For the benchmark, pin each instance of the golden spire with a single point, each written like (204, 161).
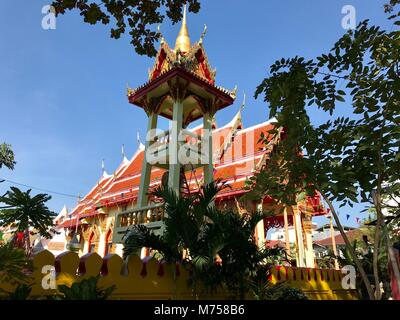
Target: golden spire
(183, 40)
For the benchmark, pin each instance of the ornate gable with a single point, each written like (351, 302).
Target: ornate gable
(163, 62)
(197, 55)
(195, 61)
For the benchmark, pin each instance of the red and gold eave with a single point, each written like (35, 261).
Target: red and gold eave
(191, 69)
(195, 84)
(121, 188)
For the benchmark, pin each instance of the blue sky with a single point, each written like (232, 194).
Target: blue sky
(63, 104)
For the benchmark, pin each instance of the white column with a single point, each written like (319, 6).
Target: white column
(146, 167)
(260, 228)
(103, 243)
(300, 254)
(174, 144)
(309, 250)
(119, 249)
(287, 240)
(143, 253)
(208, 149)
(333, 243)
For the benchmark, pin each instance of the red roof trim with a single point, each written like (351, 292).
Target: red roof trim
(177, 71)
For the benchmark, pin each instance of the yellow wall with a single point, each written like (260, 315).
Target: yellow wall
(317, 284)
(150, 279)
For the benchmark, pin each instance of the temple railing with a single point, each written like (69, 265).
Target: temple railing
(151, 216)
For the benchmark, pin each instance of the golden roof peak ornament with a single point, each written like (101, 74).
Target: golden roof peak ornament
(129, 90)
(233, 93)
(183, 41)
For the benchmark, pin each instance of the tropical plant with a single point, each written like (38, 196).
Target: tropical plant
(21, 292)
(14, 269)
(282, 291)
(22, 212)
(6, 156)
(243, 262)
(188, 230)
(218, 246)
(13, 264)
(136, 16)
(87, 289)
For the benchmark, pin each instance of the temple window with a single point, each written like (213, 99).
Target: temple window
(108, 243)
(91, 245)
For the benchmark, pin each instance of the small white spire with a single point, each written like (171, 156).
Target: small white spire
(103, 168)
(273, 120)
(160, 34)
(65, 210)
(243, 103)
(203, 34)
(63, 214)
(124, 159)
(238, 115)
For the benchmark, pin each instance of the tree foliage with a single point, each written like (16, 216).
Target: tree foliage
(346, 159)
(6, 156)
(136, 17)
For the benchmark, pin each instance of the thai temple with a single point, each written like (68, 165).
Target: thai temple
(182, 87)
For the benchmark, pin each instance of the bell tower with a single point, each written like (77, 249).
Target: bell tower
(181, 88)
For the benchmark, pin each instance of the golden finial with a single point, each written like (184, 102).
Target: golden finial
(233, 93)
(183, 41)
(128, 89)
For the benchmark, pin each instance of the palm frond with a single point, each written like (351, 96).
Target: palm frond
(26, 211)
(139, 237)
(13, 263)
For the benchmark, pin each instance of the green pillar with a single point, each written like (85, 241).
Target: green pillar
(174, 145)
(208, 149)
(146, 167)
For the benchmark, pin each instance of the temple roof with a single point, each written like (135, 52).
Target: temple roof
(237, 153)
